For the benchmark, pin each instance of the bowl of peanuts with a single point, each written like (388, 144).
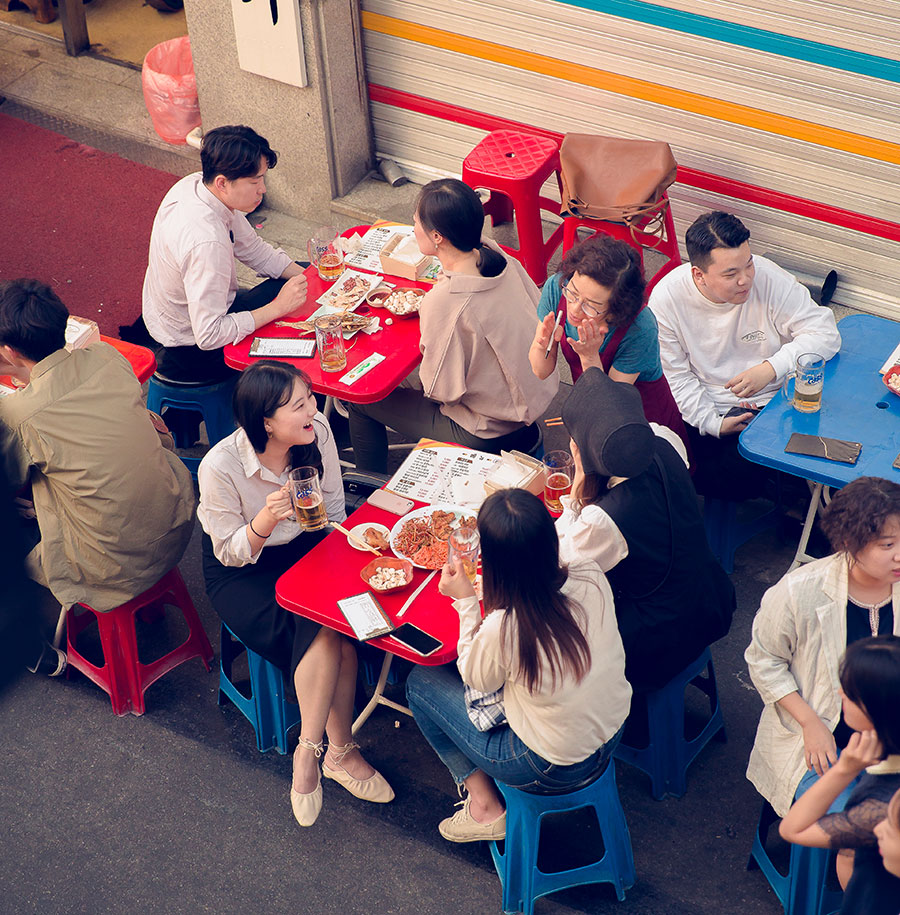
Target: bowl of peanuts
(892, 379)
(404, 302)
(387, 574)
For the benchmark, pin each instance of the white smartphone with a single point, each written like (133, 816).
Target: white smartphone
(416, 639)
(390, 502)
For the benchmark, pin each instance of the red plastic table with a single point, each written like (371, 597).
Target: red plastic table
(142, 359)
(399, 343)
(330, 571)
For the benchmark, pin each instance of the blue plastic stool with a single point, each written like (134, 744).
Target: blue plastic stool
(517, 866)
(266, 708)
(725, 534)
(668, 754)
(211, 401)
(802, 890)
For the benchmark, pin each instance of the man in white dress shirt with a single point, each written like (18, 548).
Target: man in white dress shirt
(191, 302)
(731, 326)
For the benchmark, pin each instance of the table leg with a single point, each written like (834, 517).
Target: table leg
(378, 696)
(821, 496)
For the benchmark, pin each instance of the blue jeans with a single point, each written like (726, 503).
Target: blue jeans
(435, 697)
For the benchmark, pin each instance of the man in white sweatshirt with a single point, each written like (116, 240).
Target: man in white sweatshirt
(731, 326)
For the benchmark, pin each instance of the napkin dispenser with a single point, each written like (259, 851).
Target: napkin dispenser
(401, 257)
(81, 332)
(516, 470)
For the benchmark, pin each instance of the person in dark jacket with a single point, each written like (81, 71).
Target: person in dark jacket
(633, 509)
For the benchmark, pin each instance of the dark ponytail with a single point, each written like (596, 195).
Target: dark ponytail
(453, 209)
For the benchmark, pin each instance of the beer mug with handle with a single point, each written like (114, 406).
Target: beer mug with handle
(809, 379)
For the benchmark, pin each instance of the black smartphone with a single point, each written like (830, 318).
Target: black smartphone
(416, 639)
(740, 411)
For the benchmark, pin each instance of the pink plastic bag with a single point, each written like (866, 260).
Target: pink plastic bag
(170, 89)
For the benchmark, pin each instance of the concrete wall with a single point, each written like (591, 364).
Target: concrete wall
(322, 132)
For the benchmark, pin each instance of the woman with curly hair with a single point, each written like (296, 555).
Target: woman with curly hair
(804, 626)
(600, 292)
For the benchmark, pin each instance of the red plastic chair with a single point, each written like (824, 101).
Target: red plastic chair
(513, 166)
(667, 245)
(122, 675)
(142, 359)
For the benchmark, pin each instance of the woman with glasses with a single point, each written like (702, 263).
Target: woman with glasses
(600, 292)
(474, 387)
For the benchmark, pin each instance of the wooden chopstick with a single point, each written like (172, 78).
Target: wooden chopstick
(354, 538)
(553, 422)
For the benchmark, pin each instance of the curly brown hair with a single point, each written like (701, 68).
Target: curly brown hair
(858, 513)
(613, 264)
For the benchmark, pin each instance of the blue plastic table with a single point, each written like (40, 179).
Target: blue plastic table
(856, 406)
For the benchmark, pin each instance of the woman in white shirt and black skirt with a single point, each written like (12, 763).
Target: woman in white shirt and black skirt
(251, 538)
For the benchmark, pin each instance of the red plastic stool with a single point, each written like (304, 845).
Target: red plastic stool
(513, 167)
(122, 675)
(667, 245)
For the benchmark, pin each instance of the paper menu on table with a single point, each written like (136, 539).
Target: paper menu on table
(438, 472)
(892, 360)
(365, 615)
(368, 255)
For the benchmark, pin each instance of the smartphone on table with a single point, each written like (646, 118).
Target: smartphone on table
(416, 639)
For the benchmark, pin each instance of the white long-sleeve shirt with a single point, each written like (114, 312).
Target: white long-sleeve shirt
(234, 486)
(704, 344)
(567, 723)
(191, 278)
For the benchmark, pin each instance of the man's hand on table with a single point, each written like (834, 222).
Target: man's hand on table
(454, 582)
(292, 297)
(751, 381)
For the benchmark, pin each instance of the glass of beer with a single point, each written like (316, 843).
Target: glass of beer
(463, 544)
(809, 379)
(326, 254)
(559, 469)
(330, 343)
(306, 497)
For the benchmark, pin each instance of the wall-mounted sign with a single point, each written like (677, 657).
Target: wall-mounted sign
(269, 39)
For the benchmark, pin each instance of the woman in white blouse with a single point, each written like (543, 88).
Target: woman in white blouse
(549, 641)
(251, 538)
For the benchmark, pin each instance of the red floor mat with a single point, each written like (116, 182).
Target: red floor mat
(77, 219)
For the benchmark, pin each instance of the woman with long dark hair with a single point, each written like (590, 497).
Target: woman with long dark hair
(476, 388)
(250, 538)
(600, 291)
(870, 694)
(549, 642)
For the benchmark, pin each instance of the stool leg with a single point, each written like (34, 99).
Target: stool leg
(117, 636)
(500, 208)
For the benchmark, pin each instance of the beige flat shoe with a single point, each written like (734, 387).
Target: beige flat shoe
(307, 807)
(374, 789)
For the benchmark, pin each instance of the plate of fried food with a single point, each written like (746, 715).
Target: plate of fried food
(348, 290)
(421, 536)
(350, 324)
(376, 535)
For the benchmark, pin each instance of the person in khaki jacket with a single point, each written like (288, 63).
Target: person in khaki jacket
(114, 509)
(802, 630)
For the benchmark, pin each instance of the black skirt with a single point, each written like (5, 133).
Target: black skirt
(244, 598)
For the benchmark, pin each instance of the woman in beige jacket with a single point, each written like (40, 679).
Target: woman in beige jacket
(803, 627)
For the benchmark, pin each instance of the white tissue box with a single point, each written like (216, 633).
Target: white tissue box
(81, 332)
(401, 257)
(516, 471)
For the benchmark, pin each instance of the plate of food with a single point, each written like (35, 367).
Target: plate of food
(421, 536)
(348, 290)
(376, 535)
(892, 379)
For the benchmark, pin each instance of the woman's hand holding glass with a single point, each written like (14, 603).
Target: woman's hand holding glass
(278, 504)
(454, 582)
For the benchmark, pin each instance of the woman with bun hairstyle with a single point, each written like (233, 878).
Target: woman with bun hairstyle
(476, 387)
(870, 696)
